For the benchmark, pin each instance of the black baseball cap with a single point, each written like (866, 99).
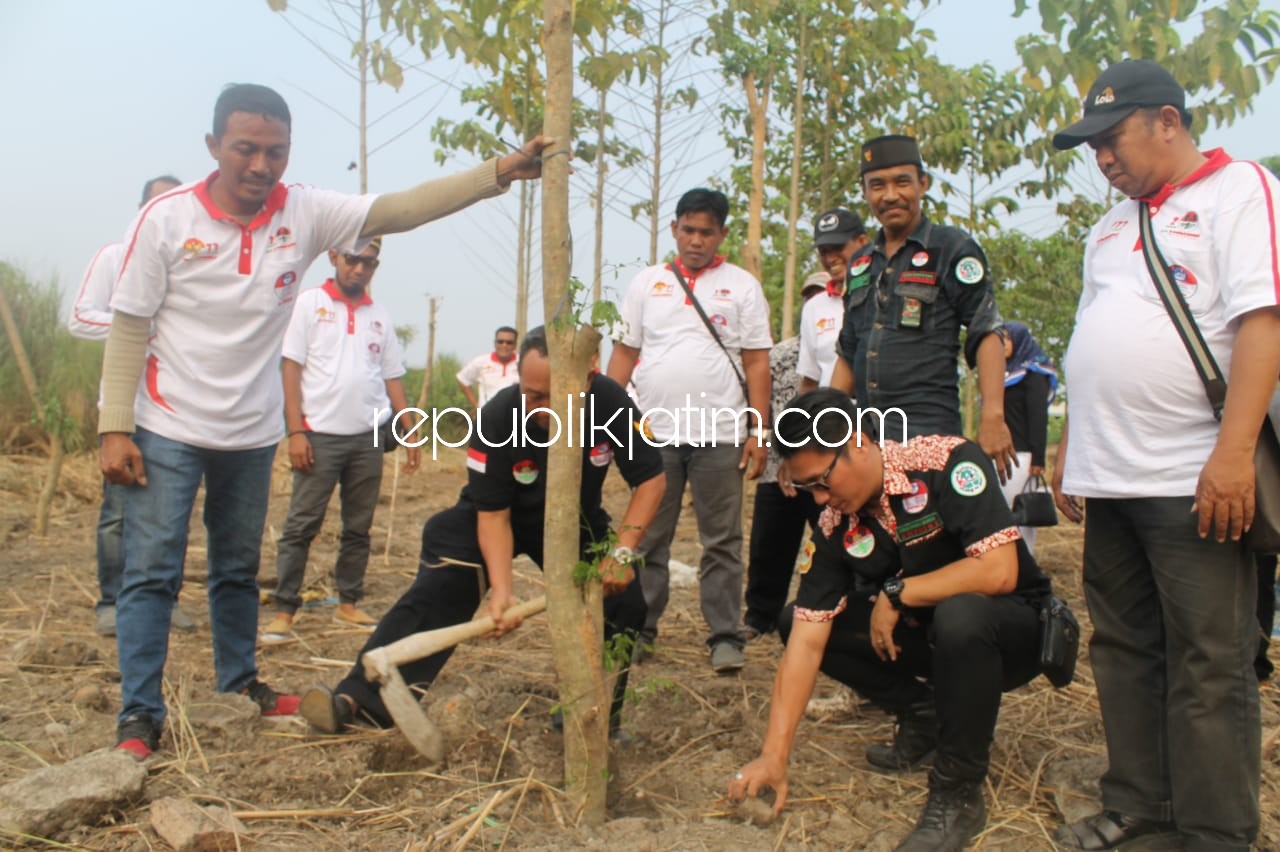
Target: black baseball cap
(836, 227)
(1117, 93)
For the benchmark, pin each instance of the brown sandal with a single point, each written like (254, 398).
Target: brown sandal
(1114, 830)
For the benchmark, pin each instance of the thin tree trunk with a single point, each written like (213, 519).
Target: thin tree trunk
(655, 188)
(828, 130)
(575, 612)
(598, 271)
(793, 209)
(522, 271)
(364, 97)
(758, 107)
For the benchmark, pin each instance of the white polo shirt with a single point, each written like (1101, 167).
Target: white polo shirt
(489, 374)
(1141, 425)
(680, 363)
(820, 321)
(90, 316)
(348, 351)
(220, 295)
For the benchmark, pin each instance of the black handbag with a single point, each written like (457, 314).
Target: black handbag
(1059, 641)
(387, 437)
(1033, 506)
(1264, 535)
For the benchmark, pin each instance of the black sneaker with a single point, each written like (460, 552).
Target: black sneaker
(272, 703)
(953, 814)
(138, 735)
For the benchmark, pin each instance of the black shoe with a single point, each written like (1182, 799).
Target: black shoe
(1114, 830)
(953, 814)
(327, 711)
(914, 742)
(139, 735)
(270, 702)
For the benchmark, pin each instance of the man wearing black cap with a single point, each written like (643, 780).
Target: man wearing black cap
(908, 294)
(837, 236)
(1171, 593)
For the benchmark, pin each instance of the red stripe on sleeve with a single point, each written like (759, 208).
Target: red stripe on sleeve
(1271, 218)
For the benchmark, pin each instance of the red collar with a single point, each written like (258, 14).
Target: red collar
(834, 289)
(493, 356)
(1214, 160)
(337, 295)
(275, 203)
(693, 276)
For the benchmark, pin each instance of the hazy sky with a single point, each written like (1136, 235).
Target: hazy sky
(102, 96)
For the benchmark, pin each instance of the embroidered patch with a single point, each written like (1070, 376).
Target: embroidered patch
(476, 460)
(920, 529)
(285, 287)
(1185, 279)
(860, 265)
(601, 455)
(662, 288)
(525, 472)
(918, 276)
(920, 258)
(969, 270)
(806, 559)
(915, 502)
(968, 480)
(859, 542)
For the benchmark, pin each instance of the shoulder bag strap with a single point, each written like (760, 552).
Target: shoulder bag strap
(733, 362)
(1215, 386)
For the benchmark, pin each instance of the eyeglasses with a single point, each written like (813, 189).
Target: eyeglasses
(501, 342)
(369, 263)
(821, 481)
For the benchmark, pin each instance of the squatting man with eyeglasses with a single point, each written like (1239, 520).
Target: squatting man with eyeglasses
(918, 593)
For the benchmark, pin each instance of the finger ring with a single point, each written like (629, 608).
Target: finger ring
(738, 776)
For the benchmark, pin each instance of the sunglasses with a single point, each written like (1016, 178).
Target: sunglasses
(821, 481)
(501, 342)
(359, 259)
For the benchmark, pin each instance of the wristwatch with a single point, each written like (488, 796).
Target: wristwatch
(892, 589)
(763, 434)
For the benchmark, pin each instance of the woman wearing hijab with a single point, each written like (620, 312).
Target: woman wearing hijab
(1030, 382)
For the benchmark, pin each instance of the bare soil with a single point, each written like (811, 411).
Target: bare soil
(499, 785)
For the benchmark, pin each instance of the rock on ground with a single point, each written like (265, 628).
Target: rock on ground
(78, 792)
(40, 653)
(188, 827)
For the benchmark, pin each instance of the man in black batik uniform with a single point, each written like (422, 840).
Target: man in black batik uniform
(919, 593)
(499, 515)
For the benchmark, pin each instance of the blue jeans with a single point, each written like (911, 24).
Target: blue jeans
(110, 544)
(156, 520)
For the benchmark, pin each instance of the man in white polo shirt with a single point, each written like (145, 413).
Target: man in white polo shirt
(342, 380)
(690, 388)
(210, 274)
(837, 236)
(491, 372)
(90, 319)
(1168, 579)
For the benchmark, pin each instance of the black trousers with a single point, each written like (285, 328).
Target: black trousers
(777, 529)
(1266, 612)
(973, 649)
(444, 594)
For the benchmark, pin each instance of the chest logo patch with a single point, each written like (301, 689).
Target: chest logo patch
(806, 559)
(601, 455)
(920, 258)
(525, 472)
(281, 239)
(1185, 279)
(662, 288)
(859, 542)
(718, 319)
(860, 266)
(323, 314)
(968, 480)
(826, 324)
(915, 502)
(284, 288)
(969, 270)
(722, 294)
(196, 249)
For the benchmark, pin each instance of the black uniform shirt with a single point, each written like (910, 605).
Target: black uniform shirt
(901, 332)
(502, 476)
(941, 503)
